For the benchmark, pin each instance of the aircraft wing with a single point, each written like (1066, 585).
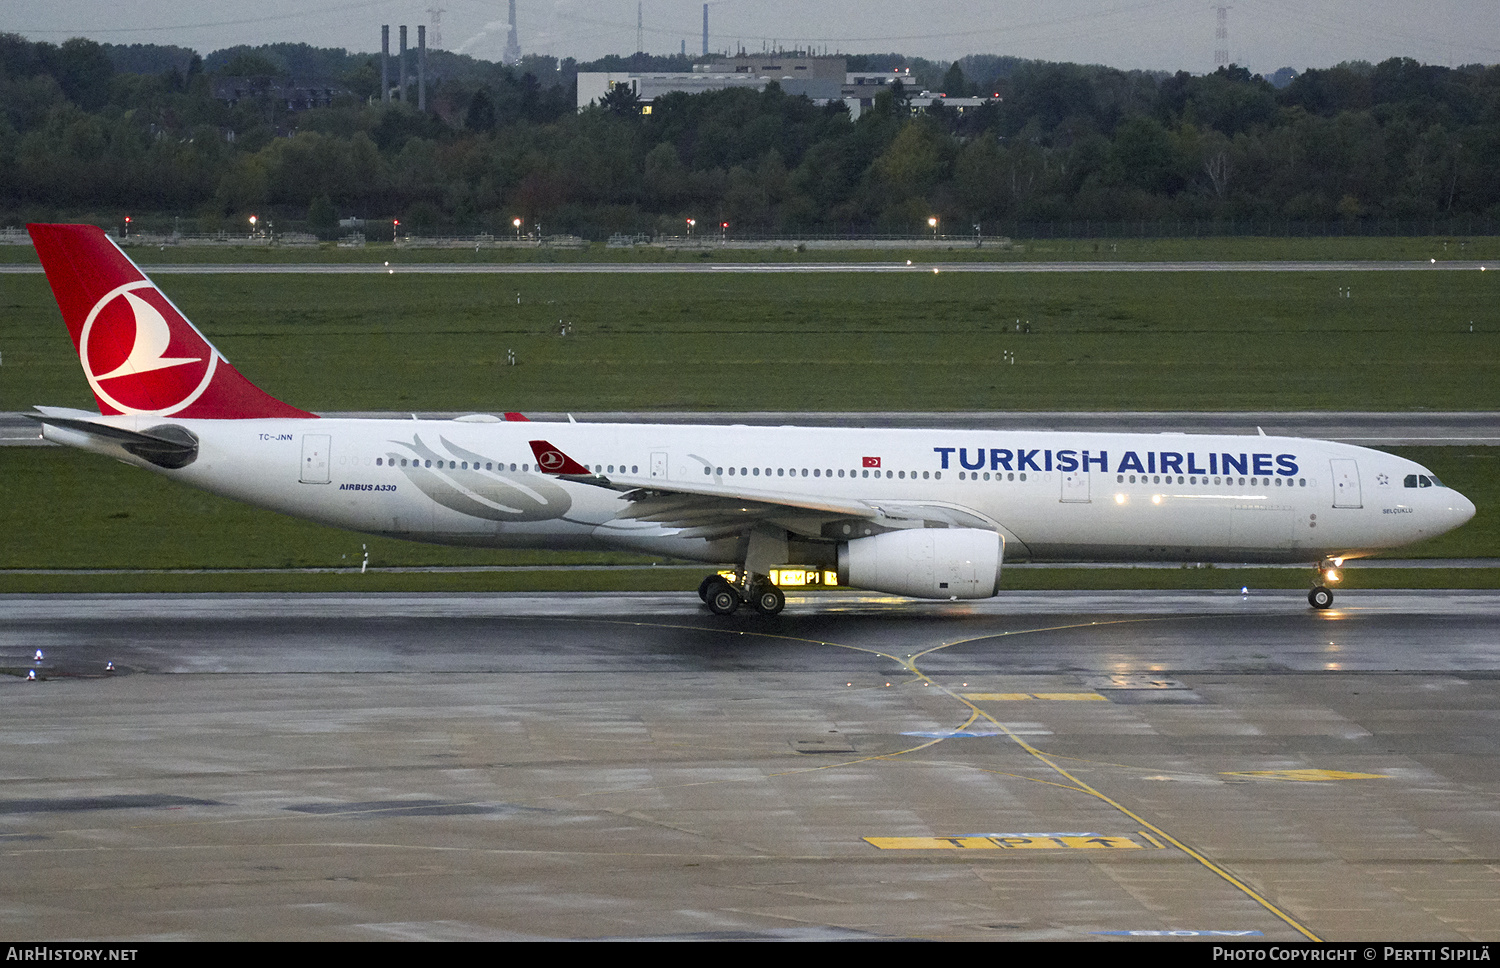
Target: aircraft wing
(713, 509)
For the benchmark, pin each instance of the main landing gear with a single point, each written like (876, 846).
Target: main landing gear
(1321, 596)
(724, 597)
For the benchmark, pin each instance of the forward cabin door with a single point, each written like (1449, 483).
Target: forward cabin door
(1346, 492)
(1075, 487)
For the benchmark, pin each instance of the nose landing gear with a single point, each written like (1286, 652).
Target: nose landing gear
(1321, 596)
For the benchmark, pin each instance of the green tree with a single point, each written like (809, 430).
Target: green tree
(621, 100)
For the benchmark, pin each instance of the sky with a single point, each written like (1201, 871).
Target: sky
(1167, 35)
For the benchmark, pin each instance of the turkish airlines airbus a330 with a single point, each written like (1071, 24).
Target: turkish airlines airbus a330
(925, 513)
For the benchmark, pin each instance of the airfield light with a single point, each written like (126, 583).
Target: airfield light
(690, 223)
(127, 226)
(517, 223)
(253, 220)
(395, 228)
(932, 223)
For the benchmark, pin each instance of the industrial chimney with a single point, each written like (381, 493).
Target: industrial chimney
(385, 56)
(421, 67)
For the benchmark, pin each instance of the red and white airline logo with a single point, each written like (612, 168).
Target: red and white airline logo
(872, 461)
(550, 460)
(140, 355)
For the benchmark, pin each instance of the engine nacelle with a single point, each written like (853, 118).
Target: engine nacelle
(925, 562)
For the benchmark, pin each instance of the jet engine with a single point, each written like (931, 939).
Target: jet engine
(925, 562)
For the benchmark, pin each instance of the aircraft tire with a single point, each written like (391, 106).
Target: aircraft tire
(703, 588)
(1320, 598)
(769, 600)
(722, 599)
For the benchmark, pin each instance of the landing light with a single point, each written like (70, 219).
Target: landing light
(1119, 499)
(1332, 574)
(1156, 499)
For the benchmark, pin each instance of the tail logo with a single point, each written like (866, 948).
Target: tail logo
(550, 460)
(140, 355)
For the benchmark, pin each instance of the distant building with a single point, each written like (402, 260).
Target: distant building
(823, 79)
(293, 95)
(819, 78)
(861, 88)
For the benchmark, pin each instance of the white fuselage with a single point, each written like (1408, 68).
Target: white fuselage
(1052, 496)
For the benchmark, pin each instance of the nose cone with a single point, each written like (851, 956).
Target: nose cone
(1460, 510)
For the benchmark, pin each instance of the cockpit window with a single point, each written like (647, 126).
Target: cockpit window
(1410, 481)
(1421, 480)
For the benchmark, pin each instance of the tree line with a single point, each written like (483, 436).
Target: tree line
(99, 131)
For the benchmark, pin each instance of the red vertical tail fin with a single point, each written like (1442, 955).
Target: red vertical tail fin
(139, 352)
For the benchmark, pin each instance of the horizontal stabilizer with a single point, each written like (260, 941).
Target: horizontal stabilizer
(167, 445)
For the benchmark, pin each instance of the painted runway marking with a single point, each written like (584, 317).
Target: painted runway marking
(1015, 842)
(1183, 933)
(1023, 696)
(1307, 776)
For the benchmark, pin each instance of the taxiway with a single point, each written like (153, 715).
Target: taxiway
(1040, 765)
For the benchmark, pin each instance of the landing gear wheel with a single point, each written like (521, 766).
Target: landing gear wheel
(1320, 598)
(769, 600)
(703, 588)
(722, 597)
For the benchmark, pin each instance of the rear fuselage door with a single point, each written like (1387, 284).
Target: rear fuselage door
(1346, 484)
(315, 449)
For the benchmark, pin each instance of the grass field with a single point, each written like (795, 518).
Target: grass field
(1222, 341)
(1136, 341)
